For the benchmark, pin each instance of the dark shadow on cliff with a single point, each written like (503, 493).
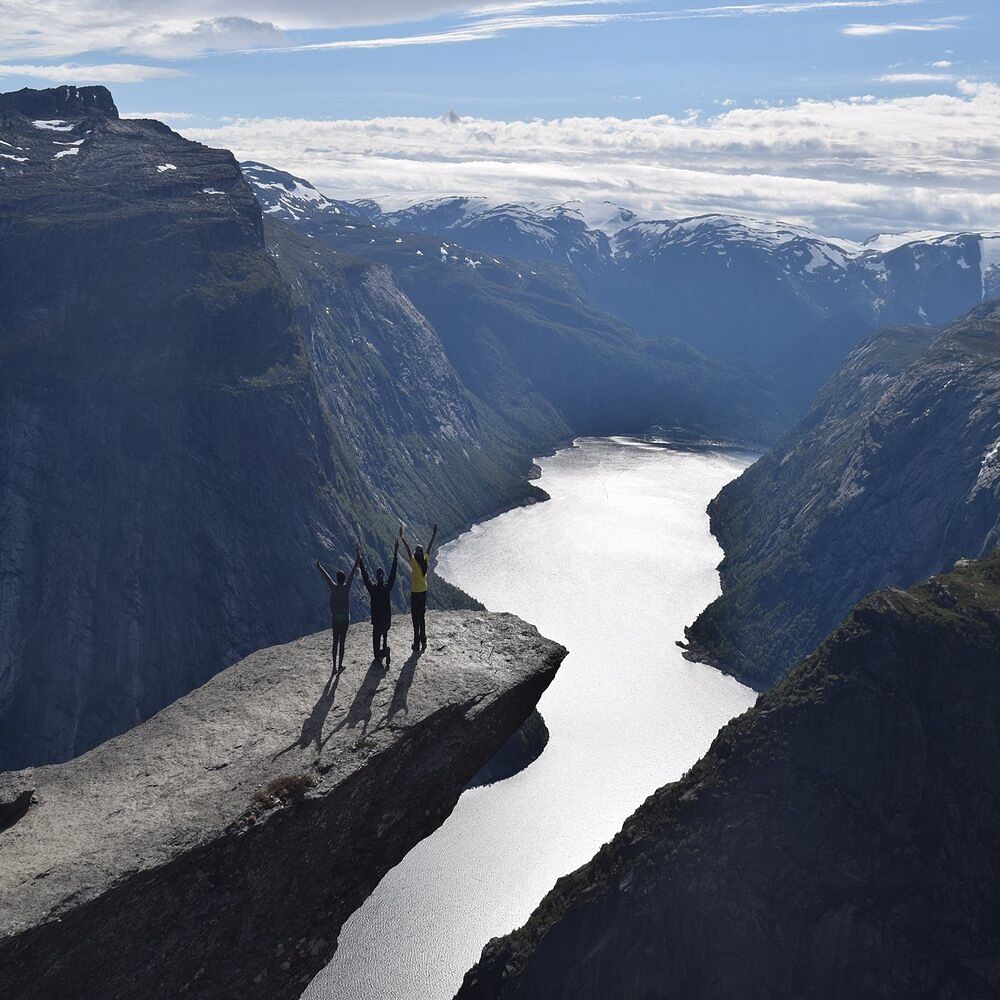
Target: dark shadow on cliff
(403, 685)
(312, 727)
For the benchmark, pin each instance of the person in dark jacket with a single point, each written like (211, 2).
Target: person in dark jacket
(380, 593)
(340, 606)
(420, 562)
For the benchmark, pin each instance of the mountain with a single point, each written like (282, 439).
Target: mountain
(555, 234)
(773, 294)
(530, 346)
(840, 839)
(893, 475)
(198, 400)
(294, 198)
(186, 430)
(236, 831)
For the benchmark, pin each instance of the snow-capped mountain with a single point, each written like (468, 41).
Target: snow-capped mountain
(774, 294)
(732, 285)
(295, 199)
(556, 234)
(757, 290)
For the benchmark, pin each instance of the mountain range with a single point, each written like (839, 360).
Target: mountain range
(838, 840)
(199, 401)
(775, 295)
(893, 475)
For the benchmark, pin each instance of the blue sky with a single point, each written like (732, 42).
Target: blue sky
(503, 61)
(232, 73)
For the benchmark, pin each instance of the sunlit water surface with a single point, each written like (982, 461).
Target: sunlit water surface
(613, 567)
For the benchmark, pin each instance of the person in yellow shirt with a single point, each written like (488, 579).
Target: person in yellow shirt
(419, 569)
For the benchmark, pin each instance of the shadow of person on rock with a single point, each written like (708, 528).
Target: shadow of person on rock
(398, 703)
(312, 727)
(360, 710)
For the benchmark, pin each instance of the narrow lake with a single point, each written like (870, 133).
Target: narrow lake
(613, 566)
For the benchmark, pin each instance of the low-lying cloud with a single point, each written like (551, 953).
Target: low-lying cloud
(82, 73)
(846, 167)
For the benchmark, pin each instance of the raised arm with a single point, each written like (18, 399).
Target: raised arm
(406, 544)
(326, 576)
(430, 544)
(395, 563)
(354, 568)
(364, 572)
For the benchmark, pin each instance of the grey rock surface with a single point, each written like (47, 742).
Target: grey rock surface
(216, 849)
(892, 476)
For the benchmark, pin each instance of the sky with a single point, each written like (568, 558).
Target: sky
(851, 116)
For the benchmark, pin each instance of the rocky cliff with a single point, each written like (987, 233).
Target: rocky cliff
(187, 424)
(196, 403)
(215, 850)
(840, 839)
(892, 476)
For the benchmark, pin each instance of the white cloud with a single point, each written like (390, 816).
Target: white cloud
(163, 116)
(942, 64)
(220, 34)
(60, 28)
(513, 18)
(872, 30)
(77, 74)
(915, 78)
(848, 167)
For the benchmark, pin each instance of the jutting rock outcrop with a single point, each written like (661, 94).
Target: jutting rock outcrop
(840, 839)
(216, 850)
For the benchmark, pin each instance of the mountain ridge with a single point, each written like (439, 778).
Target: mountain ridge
(893, 474)
(784, 285)
(838, 839)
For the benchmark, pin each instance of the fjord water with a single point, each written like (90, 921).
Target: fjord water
(613, 566)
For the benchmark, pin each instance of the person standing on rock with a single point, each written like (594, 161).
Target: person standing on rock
(340, 606)
(380, 593)
(419, 567)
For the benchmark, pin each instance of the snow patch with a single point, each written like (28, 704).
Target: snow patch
(54, 125)
(66, 152)
(884, 242)
(164, 167)
(989, 471)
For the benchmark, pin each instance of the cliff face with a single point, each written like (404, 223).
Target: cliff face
(187, 425)
(215, 850)
(840, 839)
(893, 475)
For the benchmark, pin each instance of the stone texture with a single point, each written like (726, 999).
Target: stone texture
(215, 850)
(840, 839)
(524, 747)
(893, 475)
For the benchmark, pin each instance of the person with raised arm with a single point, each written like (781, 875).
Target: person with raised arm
(340, 606)
(420, 562)
(380, 593)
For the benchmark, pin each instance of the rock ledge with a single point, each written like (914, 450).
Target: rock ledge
(216, 849)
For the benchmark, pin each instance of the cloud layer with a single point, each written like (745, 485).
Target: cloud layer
(99, 73)
(845, 167)
(57, 29)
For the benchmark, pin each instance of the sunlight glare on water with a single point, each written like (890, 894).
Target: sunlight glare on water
(613, 566)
